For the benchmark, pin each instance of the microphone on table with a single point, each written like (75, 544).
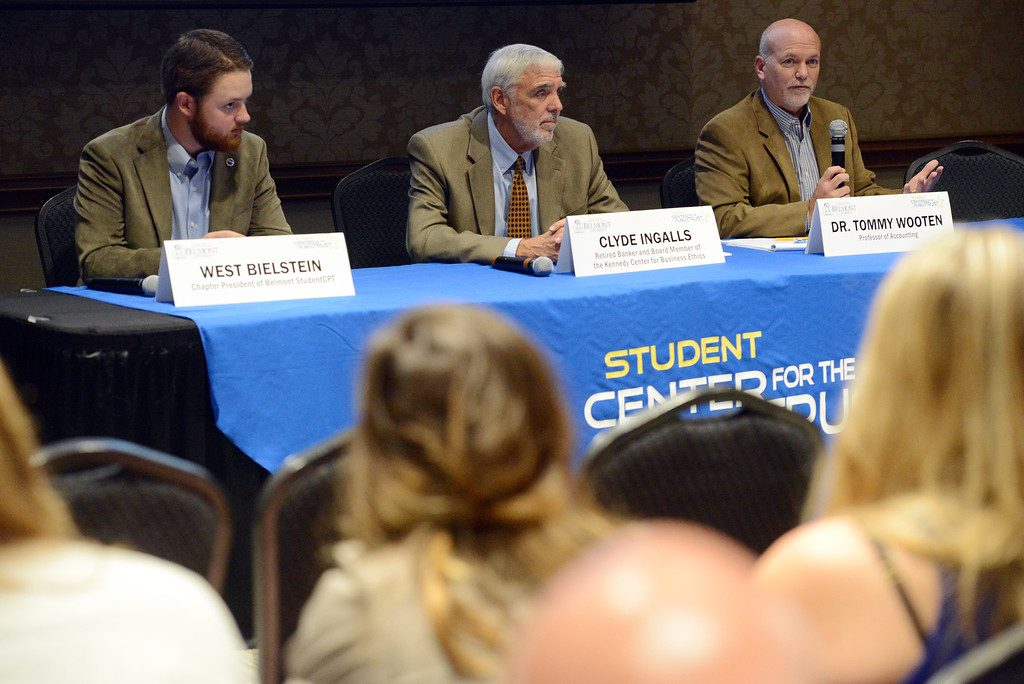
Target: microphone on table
(133, 286)
(838, 129)
(538, 266)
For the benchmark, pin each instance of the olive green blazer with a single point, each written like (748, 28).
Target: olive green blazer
(124, 198)
(451, 197)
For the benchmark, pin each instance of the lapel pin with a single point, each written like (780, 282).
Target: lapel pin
(230, 161)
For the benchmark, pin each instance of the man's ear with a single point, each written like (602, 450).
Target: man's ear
(185, 104)
(499, 100)
(759, 66)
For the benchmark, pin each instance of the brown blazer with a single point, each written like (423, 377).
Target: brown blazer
(746, 174)
(124, 198)
(451, 198)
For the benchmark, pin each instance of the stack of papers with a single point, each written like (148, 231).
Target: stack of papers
(785, 244)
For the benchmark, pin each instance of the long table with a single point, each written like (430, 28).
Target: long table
(282, 375)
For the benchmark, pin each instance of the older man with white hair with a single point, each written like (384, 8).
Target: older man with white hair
(500, 180)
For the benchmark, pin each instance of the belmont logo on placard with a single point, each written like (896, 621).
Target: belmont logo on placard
(181, 251)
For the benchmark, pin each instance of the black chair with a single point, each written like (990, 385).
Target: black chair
(125, 494)
(371, 206)
(294, 528)
(679, 186)
(983, 181)
(743, 471)
(55, 238)
(999, 660)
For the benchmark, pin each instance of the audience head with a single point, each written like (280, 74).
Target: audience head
(462, 447)
(461, 426)
(521, 86)
(29, 508)
(659, 603)
(940, 387)
(787, 63)
(932, 457)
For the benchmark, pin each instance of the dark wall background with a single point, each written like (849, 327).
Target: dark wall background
(336, 87)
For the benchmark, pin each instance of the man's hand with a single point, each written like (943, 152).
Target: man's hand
(545, 244)
(925, 179)
(828, 186)
(222, 234)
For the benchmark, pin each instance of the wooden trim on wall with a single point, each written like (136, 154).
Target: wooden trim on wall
(316, 181)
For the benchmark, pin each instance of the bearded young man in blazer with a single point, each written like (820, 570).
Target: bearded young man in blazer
(463, 171)
(188, 171)
(764, 162)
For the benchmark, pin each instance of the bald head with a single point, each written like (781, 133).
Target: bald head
(787, 64)
(659, 602)
(784, 30)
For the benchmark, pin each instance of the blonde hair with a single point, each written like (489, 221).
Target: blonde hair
(29, 508)
(932, 458)
(463, 436)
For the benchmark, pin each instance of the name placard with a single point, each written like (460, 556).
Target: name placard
(880, 223)
(254, 269)
(623, 242)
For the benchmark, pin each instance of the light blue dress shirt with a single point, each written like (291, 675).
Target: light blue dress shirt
(503, 159)
(797, 133)
(190, 188)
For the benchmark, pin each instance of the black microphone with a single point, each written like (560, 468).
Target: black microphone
(538, 266)
(838, 129)
(134, 286)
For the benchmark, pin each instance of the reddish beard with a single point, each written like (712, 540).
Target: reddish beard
(210, 139)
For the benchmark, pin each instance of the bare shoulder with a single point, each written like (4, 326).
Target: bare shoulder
(817, 556)
(831, 571)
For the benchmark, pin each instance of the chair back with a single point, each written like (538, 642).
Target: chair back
(125, 494)
(55, 239)
(744, 471)
(999, 660)
(983, 181)
(679, 186)
(371, 207)
(293, 529)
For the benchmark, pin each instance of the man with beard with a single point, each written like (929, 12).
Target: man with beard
(501, 179)
(764, 162)
(188, 171)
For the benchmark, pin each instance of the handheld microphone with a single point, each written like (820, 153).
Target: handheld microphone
(133, 286)
(838, 129)
(538, 266)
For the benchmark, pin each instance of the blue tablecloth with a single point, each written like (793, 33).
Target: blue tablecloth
(283, 374)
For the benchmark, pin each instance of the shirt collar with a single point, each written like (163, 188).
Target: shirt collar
(502, 154)
(177, 157)
(787, 122)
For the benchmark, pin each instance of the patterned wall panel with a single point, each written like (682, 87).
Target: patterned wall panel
(342, 85)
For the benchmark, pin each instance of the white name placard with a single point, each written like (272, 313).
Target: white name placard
(254, 269)
(880, 223)
(623, 242)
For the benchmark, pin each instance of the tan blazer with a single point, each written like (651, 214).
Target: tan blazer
(365, 622)
(124, 198)
(746, 174)
(451, 198)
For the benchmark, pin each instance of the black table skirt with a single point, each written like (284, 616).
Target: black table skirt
(86, 368)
